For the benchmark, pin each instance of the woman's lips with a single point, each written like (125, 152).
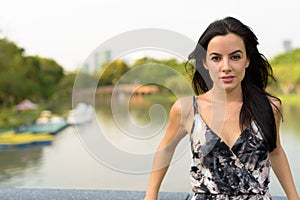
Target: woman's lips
(227, 79)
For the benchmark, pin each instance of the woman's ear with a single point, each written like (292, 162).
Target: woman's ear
(204, 64)
(247, 63)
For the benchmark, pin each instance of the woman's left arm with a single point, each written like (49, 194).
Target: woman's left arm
(280, 164)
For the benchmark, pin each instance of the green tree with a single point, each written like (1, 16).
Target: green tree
(287, 58)
(286, 67)
(61, 100)
(25, 76)
(50, 75)
(112, 72)
(164, 71)
(12, 71)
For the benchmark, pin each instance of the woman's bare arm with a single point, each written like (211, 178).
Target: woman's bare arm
(175, 132)
(280, 163)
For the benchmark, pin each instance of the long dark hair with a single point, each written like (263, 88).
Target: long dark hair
(256, 102)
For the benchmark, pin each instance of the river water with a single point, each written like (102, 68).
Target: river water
(115, 152)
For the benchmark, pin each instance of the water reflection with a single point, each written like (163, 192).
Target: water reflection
(291, 115)
(290, 140)
(135, 116)
(67, 163)
(15, 162)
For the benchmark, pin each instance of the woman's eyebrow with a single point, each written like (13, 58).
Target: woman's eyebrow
(218, 54)
(214, 53)
(236, 51)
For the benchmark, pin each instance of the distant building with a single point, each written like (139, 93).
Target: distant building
(101, 58)
(95, 61)
(85, 68)
(287, 45)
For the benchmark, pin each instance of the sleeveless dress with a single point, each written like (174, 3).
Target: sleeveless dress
(219, 172)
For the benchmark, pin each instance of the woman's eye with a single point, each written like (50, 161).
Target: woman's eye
(215, 58)
(236, 57)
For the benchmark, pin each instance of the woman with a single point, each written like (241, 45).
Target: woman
(233, 123)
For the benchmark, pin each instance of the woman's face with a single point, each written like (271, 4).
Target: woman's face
(226, 61)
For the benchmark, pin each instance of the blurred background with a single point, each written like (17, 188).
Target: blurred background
(44, 45)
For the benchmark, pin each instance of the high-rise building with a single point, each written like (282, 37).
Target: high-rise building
(287, 45)
(95, 61)
(101, 58)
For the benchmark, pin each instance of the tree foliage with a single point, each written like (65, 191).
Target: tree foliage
(25, 76)
(42, 79)
(112, 72)
(286, 67)
(147, 70)
(287, 58)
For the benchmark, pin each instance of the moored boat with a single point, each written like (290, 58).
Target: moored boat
(12, 139)
(82, 113)
(46, 123)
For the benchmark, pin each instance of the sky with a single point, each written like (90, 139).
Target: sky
(69, 31)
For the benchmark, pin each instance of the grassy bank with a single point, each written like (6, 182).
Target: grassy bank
(10, 118)
(161, 97)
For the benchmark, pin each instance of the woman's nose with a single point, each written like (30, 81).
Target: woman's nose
(226, 66)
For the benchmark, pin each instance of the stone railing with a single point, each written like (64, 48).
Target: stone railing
(66, 194)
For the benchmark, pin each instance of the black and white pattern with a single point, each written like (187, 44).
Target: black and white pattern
(220, 172)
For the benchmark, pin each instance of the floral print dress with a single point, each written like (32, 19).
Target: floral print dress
(220, 172)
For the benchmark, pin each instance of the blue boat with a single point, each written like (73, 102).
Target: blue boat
(46, 123)
(50, 127)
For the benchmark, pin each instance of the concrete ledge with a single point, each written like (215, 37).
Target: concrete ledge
(66, 194)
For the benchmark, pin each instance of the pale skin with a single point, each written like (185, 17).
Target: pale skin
(226, 61)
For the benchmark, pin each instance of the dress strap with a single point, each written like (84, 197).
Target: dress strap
(195, 103)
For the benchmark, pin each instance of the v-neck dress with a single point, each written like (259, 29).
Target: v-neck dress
(220, 172)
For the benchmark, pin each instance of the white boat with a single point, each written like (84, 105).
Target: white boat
(81, 114)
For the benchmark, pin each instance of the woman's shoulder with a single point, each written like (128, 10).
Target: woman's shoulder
(183, 103)
(276, 106)
(182, 107)
(275, 102)
(182, 112)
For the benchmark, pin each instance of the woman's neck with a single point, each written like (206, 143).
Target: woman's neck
(219, 96)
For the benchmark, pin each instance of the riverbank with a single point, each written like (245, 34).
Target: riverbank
(65, 194)
(10, 118)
